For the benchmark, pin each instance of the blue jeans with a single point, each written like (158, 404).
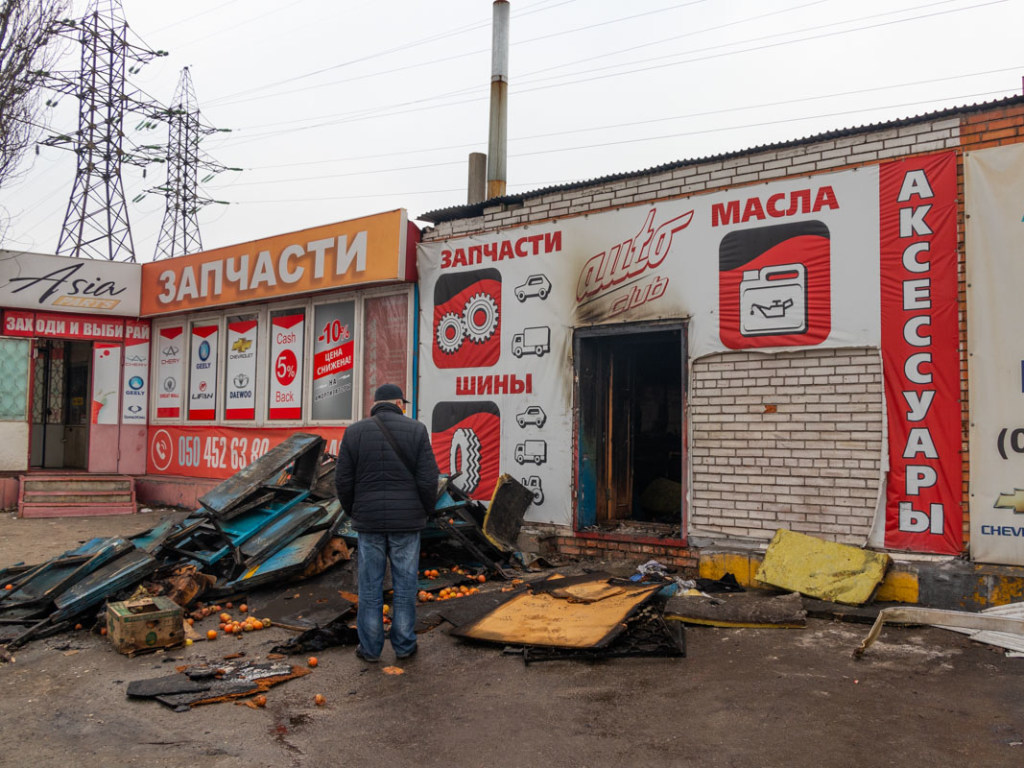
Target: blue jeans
(402, 550)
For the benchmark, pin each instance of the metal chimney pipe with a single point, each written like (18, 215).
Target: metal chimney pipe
(477, 186)
(497, 140)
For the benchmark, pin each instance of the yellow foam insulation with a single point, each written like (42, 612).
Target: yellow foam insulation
(822, 569)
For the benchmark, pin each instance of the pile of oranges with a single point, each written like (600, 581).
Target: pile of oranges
(227, 624)
(448, 593)
(431, 574)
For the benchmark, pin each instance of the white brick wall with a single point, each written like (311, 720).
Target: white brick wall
(812, 465)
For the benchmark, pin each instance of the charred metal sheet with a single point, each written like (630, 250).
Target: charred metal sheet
(290, 560)
(504, 516)
(91, 591)
(282, 528)
(52, 578)
(745, 609)
(164, 686)
(301, 452)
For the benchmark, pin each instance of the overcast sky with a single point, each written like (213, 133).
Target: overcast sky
(341, 109)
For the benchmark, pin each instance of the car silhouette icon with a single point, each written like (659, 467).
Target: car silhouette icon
(535, 285)
(533, 414)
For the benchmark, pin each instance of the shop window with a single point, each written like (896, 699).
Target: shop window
(202, 385)
(14, 374)
(287, 352)
(240, 371)
(385, 344)
(333, 355)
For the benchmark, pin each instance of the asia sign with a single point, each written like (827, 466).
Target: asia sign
(372, 249)
(859, 258)
(63, 284)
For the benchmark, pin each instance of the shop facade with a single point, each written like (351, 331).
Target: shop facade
(181, 372)
(700, 354)
(74, 392)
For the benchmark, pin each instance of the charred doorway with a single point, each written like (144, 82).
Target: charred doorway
(60, 404)
(630, 447)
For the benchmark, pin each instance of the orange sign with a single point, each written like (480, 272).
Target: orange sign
(372, 249)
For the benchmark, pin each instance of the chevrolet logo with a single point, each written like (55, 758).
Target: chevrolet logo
(241, 345)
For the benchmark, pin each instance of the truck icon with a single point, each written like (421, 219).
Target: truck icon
(535, 285)
(532, 341)
(533, 414)
(531, 450)
(533, 483)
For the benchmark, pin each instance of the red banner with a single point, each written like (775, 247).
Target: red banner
(62, 326)
(920, 359)
(219, 452)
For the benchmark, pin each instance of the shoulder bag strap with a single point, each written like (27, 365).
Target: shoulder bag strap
(394, 445)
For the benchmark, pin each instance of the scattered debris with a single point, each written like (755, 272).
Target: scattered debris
(822, 569)
(940, 618)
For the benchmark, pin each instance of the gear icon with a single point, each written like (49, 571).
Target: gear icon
(449, 333)
(480, 317)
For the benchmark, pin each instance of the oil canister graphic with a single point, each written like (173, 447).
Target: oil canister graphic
(774, 286)
(466, 437)
(467, 319)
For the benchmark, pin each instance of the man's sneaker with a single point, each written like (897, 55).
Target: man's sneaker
(364, 657)
(409, 655)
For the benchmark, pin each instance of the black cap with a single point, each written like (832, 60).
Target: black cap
(389, 392)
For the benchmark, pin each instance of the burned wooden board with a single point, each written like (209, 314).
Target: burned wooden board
(542, 619)
(740, 610)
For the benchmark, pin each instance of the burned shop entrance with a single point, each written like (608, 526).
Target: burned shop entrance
(630, 396)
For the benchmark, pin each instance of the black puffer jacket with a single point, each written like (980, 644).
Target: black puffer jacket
(374, 485)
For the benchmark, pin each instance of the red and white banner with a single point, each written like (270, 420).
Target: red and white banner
(920, 363)
(135, 377)
(240, 381)
(170, 344)
(286, 361)
(61, 326)
(219, 452)
(202, 389)
(106, 376)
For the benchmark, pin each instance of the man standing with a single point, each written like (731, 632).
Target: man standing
(386, 478)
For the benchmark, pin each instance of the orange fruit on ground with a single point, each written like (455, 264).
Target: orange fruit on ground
(243, 608)
(225, 618)
(103, 630)
(481, 578)
(260, 701)
(319, 699)
(211, 634)
(312, 661)
(228, 605)
(8, 586)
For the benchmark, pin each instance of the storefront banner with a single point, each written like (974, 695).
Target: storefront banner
(286, 365)
(240, 380)
(372, 249)
(134, 389)
(68, 284)
(333, 353)
(994, 201)
(170, 342)
(220, 452)
(202, 388)
(57, 326)
(920, 354)
(106, 377)
(787, 265)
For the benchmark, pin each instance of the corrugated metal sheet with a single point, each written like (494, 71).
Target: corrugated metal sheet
(455, 213)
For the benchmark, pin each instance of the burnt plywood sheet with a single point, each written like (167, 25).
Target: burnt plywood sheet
(543, 619)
